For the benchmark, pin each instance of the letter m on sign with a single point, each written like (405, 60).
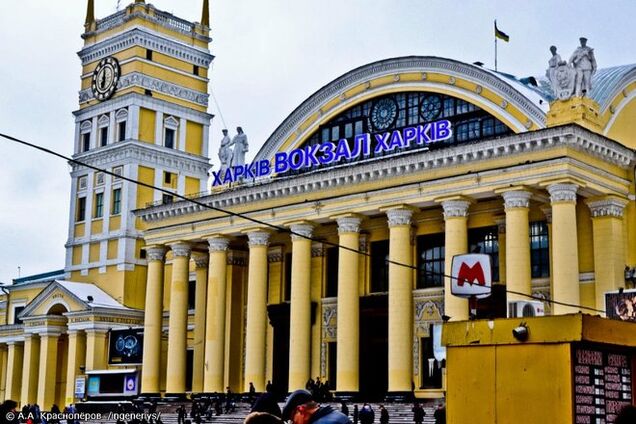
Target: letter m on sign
(471, 275)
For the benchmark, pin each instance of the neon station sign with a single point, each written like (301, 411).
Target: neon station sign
(330, 153)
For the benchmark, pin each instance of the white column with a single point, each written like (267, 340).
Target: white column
(159, 129)
(132, 126)
(182, 134)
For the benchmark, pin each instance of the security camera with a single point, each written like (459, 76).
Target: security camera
(521, 332)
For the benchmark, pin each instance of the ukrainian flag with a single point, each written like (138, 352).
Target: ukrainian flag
(500, 34)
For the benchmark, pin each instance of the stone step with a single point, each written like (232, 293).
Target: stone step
(398, 413)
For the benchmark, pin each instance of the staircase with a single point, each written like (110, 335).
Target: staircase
(399, 413)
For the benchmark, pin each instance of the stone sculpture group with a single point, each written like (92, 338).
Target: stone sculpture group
(232, 151)
(574, 77)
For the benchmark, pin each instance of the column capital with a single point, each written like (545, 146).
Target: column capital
(500, 221)
(155, 253)
(201, 260)
(258, 238)
(275, 254)
(218, 244)
(562, 192)
(181, 249)
(399, 216)
(303, 230)
(608, 206)
(516, 199)
(348, 223)
(455, 208)
(317, 249)
(547, 211)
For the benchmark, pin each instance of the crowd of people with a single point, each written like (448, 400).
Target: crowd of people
(301, 407)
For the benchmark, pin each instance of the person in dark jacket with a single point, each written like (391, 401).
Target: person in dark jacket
(355, 414)
(418, 413)
(367, 416)
(301, 408)
(384, 415)
(344, 408)
(440, 414)
(267, 403)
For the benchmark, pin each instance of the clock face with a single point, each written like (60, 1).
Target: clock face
(105, 78)
(430, 107)
(383, 113)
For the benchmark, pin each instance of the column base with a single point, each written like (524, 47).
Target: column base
(174, 397)
(346, 396)
(398, 397)
(149, 396)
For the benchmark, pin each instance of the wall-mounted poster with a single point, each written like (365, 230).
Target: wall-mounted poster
(621, 305)
(126, 346)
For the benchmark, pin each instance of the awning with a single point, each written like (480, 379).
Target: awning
(122, 371)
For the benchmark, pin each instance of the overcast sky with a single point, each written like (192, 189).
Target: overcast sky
(270, 56)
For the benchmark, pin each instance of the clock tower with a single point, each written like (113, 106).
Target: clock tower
(142, 115)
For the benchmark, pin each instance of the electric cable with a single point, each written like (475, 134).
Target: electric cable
(267, 224)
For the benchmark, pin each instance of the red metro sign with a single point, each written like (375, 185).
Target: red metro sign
(471, 275)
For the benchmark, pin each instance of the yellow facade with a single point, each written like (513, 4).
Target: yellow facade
(340, 273)
(498, 379)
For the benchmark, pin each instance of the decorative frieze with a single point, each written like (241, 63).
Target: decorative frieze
(455, 208)
(412, 163)
(607, 207)
(348, 224)
(155, 253)
(562, 192)
(516, 199)
(218, 244)
(399, 216)
(139, 37)
(258, 238)
(154, 84)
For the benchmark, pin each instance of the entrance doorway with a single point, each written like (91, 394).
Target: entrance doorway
(374, 347)
(279, 318)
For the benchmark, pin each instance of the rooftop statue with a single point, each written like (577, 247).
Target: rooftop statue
(240, 148)
(561, 76)
(584, 64)
(225, 152)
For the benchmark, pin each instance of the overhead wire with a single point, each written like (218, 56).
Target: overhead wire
(267, 224)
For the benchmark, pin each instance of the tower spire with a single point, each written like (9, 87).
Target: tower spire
(205, 15)
(90, 12)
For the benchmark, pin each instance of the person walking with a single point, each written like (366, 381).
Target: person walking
(440, 414)
(418, 413)
(367, 416)
(384, 415)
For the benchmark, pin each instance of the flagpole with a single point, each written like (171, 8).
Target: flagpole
(495, 32)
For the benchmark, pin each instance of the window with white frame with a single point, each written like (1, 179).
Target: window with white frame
(99, 178)
(121, 118)
(85, 136)
(82, 182)
(102, 130)
(118, 171)
(170, 129)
